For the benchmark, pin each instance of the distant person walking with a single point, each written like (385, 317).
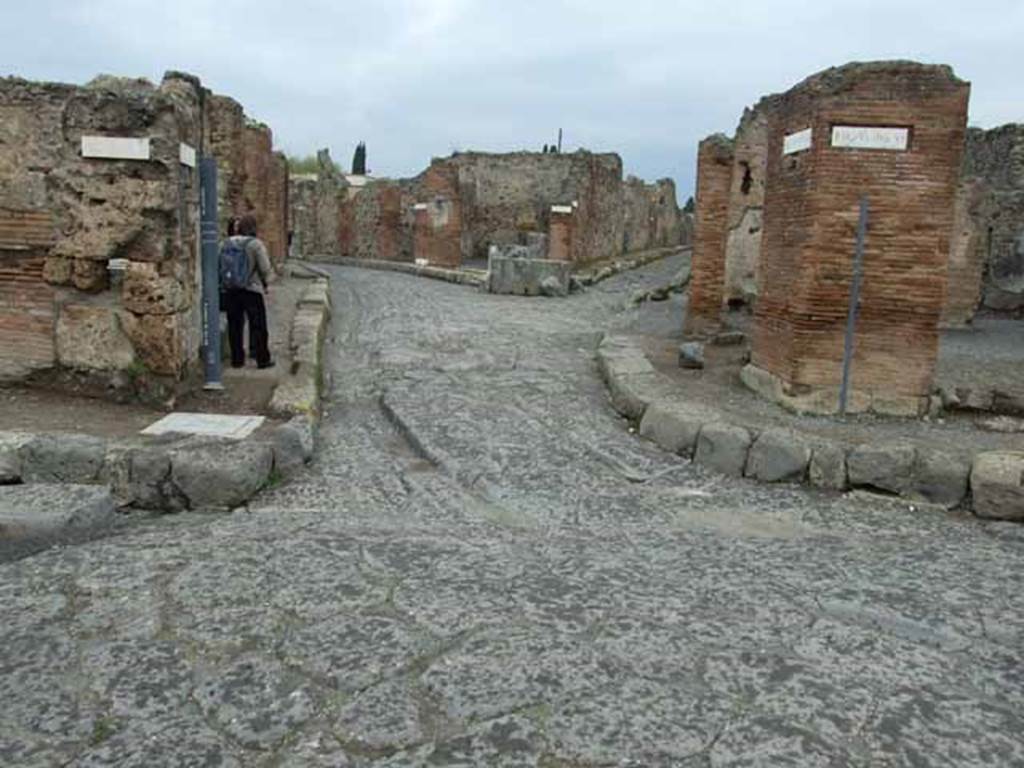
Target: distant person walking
(245, 276)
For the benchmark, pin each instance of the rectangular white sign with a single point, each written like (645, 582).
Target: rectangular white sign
(797, 142)
(115, 148)
(864, 137)
(187, 155)
(561, 209)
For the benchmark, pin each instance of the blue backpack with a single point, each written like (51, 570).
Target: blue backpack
(235, 269)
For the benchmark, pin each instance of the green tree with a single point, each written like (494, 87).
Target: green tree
(690, 206)
(359, 160)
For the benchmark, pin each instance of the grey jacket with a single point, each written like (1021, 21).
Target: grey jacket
(259, 260)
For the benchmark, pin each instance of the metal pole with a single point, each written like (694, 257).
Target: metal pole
(851, 316)
(559, 141)
(210, 254)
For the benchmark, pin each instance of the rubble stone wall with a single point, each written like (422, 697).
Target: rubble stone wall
(65, 217)
(315, 201)
(987, 258)
(652, 218)
(810, 221)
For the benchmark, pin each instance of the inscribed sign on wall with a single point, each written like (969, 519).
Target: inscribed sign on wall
(797, 142)
(870, 137)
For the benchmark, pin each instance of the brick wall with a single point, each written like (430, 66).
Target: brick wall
(707, 281)
(438, 217)
(811, 207)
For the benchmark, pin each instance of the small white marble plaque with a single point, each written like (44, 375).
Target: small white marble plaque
(115, 148)
(870, 137)
(187, 155)
(561, 209)
(207, 424)
(420, 207)
(797, 142)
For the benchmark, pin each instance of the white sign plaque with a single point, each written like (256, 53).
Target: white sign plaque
(115, 148)
(187, 155)
(797, 142)
(870, 137)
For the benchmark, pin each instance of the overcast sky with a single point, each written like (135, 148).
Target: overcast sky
(420, 78)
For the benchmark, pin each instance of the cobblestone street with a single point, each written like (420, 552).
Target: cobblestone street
(485, 567)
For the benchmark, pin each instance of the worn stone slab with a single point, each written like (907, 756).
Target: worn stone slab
(34, 517)
(883, 467)
(691, 354)
(723, 448)
(997, 484)
(674, 425)
(206, 425)
(779, 456)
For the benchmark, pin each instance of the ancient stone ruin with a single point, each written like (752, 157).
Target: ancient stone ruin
(99, 207)
(777, 215)
(460, 206)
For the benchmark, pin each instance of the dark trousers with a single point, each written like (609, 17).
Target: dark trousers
(240, 306)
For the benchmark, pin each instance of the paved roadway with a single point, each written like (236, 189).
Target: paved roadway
(485, 568)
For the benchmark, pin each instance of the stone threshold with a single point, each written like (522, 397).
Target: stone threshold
(991, 485)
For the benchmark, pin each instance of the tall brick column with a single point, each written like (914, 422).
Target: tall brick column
(707, 282)
(893, 131)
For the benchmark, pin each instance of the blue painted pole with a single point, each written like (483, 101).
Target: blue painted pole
(210, 254)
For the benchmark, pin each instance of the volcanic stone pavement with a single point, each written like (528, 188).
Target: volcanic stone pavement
(485, 568)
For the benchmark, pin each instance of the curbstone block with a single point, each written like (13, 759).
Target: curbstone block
(779, 456)
(723, 448)
(884, 467)
(10, 457)
(674, 425)
(940, 478)
(221, 474)
(68, 458)
(292, 444)
(828, 465)
(997, 482)
(691, 354)
(632, 394)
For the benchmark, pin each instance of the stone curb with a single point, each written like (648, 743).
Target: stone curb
(990, 485)
(586, 276)
(300, 392)
(461, 277)
(165, 474)
(177, 472)
(35, 517)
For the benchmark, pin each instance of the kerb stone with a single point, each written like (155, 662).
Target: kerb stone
(723, 448)
(779, 456)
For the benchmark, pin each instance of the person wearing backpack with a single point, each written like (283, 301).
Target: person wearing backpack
(244, 280)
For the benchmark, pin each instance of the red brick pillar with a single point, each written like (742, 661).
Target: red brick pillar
(707, 281)
(560, 233)
(894, 132)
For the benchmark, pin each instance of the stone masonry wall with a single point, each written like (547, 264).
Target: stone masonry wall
(314, 204)
(810, 220)
(652, 218)
(493, 199)
(715, 160)
(987, 260)
(65, 217)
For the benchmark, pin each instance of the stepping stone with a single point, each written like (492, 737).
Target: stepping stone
(34, 517)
